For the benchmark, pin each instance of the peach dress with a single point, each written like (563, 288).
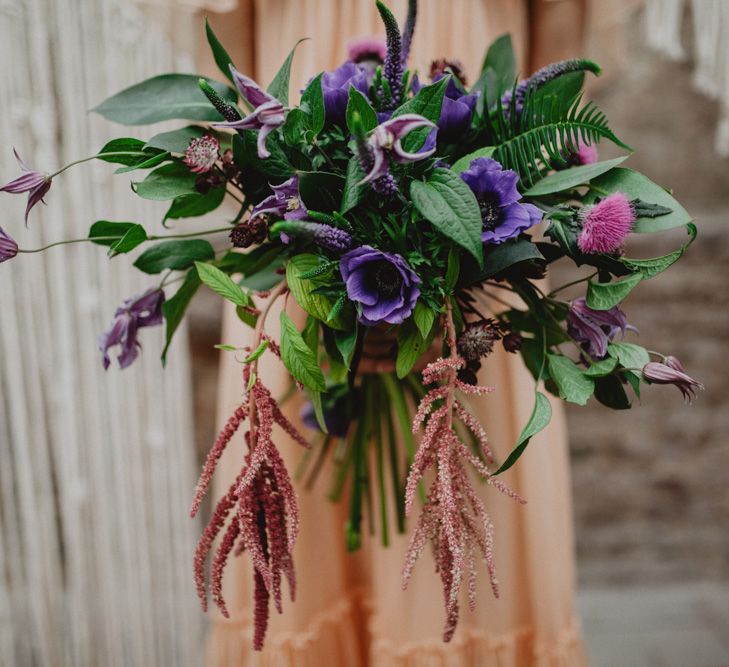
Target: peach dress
(350, 610)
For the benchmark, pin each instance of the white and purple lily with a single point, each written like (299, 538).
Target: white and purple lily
(267, 115)
(385, 143)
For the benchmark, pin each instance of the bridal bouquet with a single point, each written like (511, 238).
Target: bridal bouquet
(413, 218)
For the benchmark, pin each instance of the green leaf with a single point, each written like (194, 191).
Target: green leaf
(167, 182)
(174, 309)
(279, 87)
(499, 257)
(636, 186)
(105, 232)
(352, 191)
(426, 103)
(176, 254)
(193, 206)
(629, 355)
(450, 205)
(314, 303)
(298, 357)
(256, 353)
(538, 421)
(226, 348)
(601, 368)
(570, 178)
(345, 342)
(574, 386)
(147, 163)
(465, 162)
(610, 392)
(423, 316)
(163, 97)
(263, 280)
(453, 270)
(222, 284)
(316, 402)
(176, 141)
(652, 267)
(133, 237)
(564, 89)
(246, 316)
(603, 296)
(500, 58)
(410, 346)
(312, 101)
(222, 59)
(123, 145)
(249, 263)
(320, 190)
(359, 104)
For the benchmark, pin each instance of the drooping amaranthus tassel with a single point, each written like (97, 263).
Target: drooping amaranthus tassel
(453, 518)
(260, 507)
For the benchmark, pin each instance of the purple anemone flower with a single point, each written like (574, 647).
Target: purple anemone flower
(267, 115)
(35, 183)
(8, 247)
(134, 314)
(504, 217)
(335, 87)
(671, 371)
(385, 141)
(595, 328)
(382, 284)
(456, 112)
(336, 417)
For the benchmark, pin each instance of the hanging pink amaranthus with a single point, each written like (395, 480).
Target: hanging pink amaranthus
(453, 518)
(260, 506)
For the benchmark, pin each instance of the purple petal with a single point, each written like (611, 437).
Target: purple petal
(379, 167)
(402, 125)
(36, 196)
(249, 89)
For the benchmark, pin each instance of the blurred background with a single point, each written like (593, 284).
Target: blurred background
(650, 486)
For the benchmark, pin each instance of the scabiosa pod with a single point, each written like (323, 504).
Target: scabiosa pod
(34, 182)
(671, 371)
(202, 153)
(454, 518)
(134, 314)
(267, 115)
(8, 247)
(385, 143)
(606, 225)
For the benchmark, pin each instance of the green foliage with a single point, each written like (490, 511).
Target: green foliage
(176, 254)
(166, 182)
(648, 268)
(367, 117)
(636, 186)
(410, 346)
(603, 296)
(426, 103)
(320, 190)
(538, 421)
(222, 284)
(133, 149)
(465, 162)
(298, 357)
(451, 207)
(195, 205)
(571, 178)
(353, 192)
(121, 237)
(501, 60)
(312, 103)
(544, 125)
(629, 355)
(424, 317)
(163, 97)
(176, 141)
(174, 308)
(279, 87)
(145, 163)
(574, 386)
(222, 59)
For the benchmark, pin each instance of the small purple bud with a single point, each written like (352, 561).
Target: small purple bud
(671, 371)
(35, 183)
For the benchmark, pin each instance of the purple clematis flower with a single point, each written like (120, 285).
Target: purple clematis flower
(8, 247)
(268, 113)
(35, 183)
(285, 203)
(456, 112)
(595, 328)
(385, 142)
(504, 217)
(671, 371)
(135, 313)
(335, 87)
(382, 284)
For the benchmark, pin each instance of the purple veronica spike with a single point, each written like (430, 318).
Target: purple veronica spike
(382, 284)
(134, 314)
(386, 140)
(671, 371)
(326, 236)
(8, 247)
(595, 328)
(266, 117)
(504, 216)
(394, 67)
(35, 183)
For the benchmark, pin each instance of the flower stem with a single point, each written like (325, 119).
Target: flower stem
(97, 156)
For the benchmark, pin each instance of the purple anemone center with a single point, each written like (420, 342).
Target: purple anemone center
(488, 202)
(384, 278)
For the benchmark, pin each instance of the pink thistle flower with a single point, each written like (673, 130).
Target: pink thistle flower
(606, 225)
(367, 49)
(202, 153)
(34, 182)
